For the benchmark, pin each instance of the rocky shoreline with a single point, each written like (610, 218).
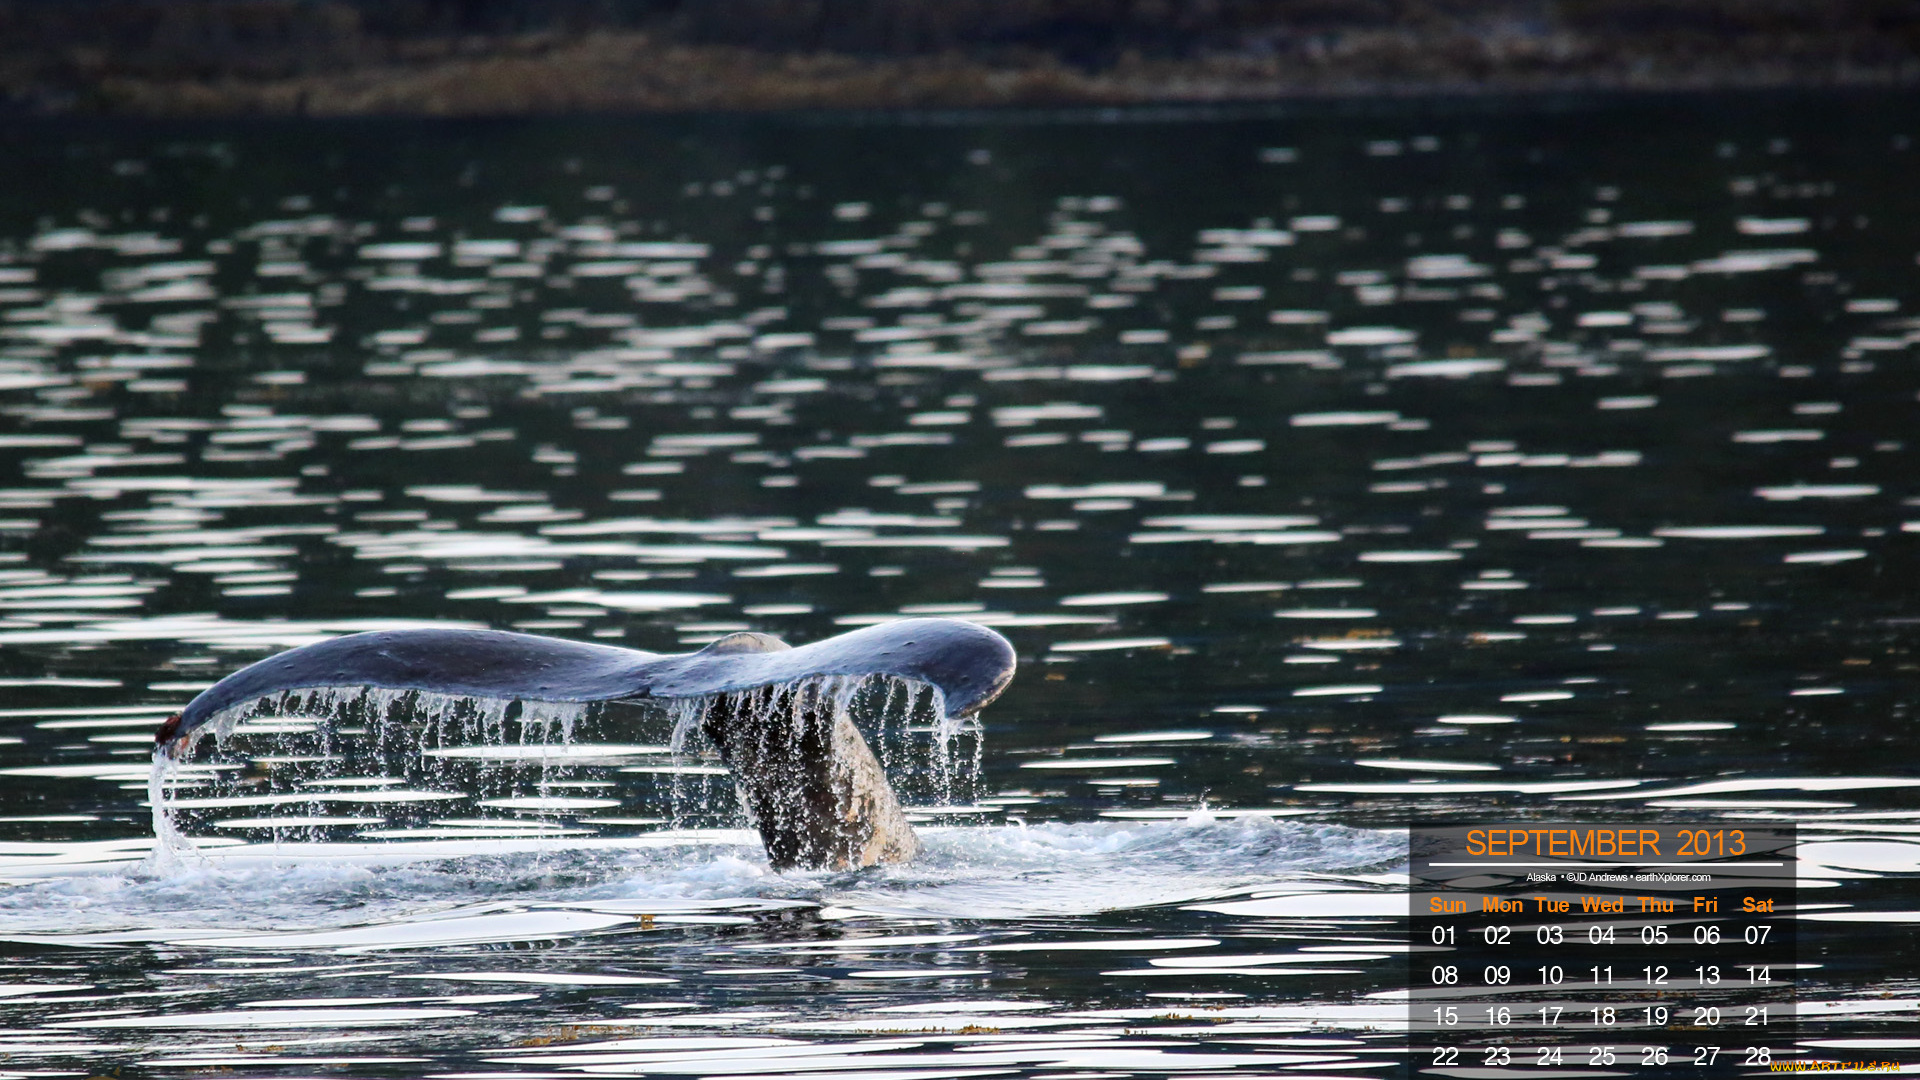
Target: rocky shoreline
(617, 69)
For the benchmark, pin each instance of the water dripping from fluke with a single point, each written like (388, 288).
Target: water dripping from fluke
(780, 718)
(171, 847)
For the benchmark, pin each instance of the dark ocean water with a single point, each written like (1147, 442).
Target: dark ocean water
(1328, 469)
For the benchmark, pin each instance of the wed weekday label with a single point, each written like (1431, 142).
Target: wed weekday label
(1583, 949)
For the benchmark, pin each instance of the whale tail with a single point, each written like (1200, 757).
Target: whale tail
(808, 778)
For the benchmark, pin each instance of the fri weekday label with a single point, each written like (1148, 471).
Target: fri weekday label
(1584, 948)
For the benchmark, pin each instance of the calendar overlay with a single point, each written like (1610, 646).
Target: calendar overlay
(1600, 950)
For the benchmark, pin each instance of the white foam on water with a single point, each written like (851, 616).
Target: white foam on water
(1065, 869)
(437, 893)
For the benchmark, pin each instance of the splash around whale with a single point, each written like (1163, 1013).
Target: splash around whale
(777, 713)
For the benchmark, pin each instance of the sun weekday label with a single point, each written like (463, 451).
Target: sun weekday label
(1584, 949)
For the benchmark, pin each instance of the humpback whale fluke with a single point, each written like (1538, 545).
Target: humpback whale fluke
(812, 785)
(810, 781)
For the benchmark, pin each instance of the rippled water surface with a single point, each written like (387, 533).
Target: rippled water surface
(1326, 469)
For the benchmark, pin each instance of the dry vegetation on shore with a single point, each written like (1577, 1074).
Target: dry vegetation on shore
(509, 57)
